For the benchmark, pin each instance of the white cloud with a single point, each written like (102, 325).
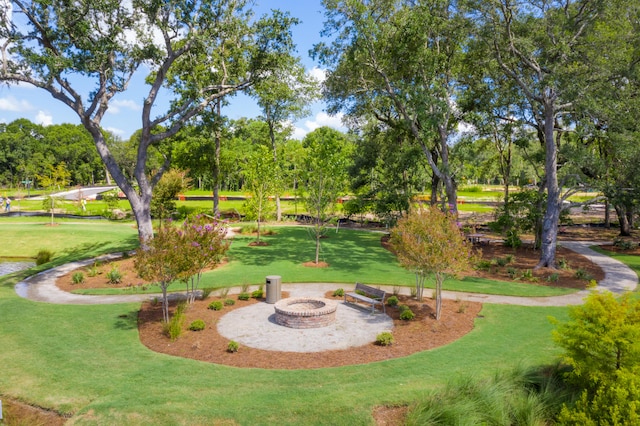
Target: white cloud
(116, 106)
(14, 105)
(321, 119)
(43, 118)
(115, 131)
(324, 119)
(318, 73)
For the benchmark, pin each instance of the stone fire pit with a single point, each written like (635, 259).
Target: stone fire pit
(305, 312)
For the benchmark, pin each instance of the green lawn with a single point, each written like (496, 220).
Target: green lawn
(88, 361)
(352, 256)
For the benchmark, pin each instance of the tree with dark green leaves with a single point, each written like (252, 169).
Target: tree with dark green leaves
(260, 177)
(537, 47)
(397, 62)
(284, 96)
(196, 53)
(325, 179)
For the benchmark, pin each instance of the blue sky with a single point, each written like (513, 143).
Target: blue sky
(123, 117)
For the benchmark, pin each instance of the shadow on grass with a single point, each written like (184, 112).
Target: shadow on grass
(347, 250)
(128, 321)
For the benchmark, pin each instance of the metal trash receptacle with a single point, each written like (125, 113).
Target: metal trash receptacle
(274, 291)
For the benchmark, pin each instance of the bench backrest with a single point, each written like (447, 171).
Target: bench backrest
(374, 293)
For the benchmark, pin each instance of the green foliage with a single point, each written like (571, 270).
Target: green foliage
(562, 263)
(111, 198)
(229, 302)
(601, 338)
(384, 339)
(338, 292)
(392, 301)
(521, 213)
(216, 305)
(43, 256)
(612, 402)
(553, 278)
(518, 397)
(206, 292)
(624, 244)
(165, 192)
(429, 241)
(513, 272)
(197, 325)
(77, 278)
(233, 346)
(93, 270)
(258, 294)
(173, 328)
(244, 296)
(473, 188)
(114, 275)
(261, 180)
(407, 315)
(483, 265)
(582, 274)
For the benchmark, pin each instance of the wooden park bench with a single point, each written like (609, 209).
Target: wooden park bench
(367, 294)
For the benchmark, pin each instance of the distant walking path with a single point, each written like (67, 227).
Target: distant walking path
(618, 278)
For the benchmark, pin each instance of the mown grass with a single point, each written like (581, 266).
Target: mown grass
(632, 261)
(353, 256)
(87, 360)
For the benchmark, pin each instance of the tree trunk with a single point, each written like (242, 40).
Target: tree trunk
(607, 215)
(216, 165)
(439, 279)
(625, 226)
(552, 214)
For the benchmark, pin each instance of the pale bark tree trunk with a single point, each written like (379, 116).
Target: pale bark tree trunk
(551, 217)
(216, 165)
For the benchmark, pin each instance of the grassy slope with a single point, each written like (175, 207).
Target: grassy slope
(88, 360)
(352, 255)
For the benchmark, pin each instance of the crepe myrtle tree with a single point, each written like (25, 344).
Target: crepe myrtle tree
(428, 241)
(193, 54)
(204, 246)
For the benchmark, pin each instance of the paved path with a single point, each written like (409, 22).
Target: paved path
(254, 326)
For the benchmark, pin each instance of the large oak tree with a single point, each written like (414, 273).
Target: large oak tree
(192, 53)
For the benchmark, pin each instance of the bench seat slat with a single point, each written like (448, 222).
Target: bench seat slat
(369, 291)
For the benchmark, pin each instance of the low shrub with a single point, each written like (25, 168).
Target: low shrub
(384, 339)
(553, 278)
(512, 272)
(501, 261)
(582, 274)
(462, 308)
(407, 315)
(592, 284)
(114, 275)
(233, 346)
(392, 301)
(483, 265)
(338, 292)
(197, 325)
(510, 258)
(77, 278)
(258, 294)
(173, 329)
(624, 244)
(244, 296)
(472, 188)
(512, 239)
(206, 292)
(216, 305)
(224, 292)
(93, 270)
(229, 302)
(562, 263)
(43, 256)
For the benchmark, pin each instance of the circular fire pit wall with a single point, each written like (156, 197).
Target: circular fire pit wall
(305, 312)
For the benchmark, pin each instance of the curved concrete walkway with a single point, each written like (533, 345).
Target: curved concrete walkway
(618, 278)
(253, 325)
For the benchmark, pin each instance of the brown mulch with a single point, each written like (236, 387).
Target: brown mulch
(422, 333)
